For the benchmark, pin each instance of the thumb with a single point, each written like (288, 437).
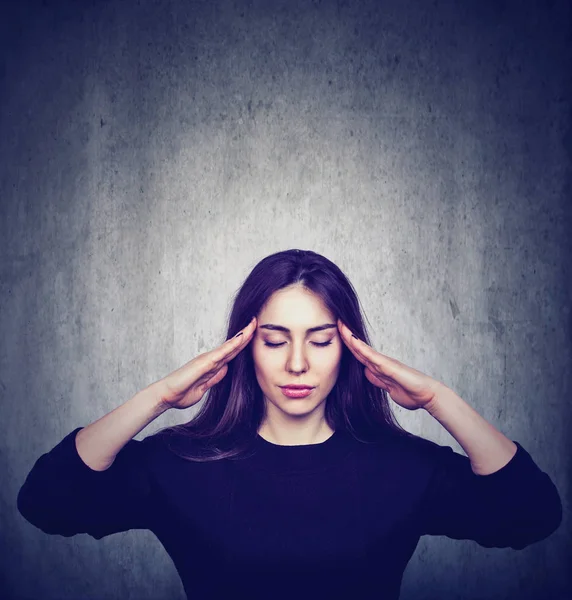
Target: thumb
(217, 377)
(371, 377)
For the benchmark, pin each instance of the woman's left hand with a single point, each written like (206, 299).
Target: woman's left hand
(406, 386)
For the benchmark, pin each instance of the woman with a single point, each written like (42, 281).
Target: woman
(274, 493)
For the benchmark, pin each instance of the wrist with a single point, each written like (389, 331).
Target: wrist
(156, 398)
(441, 397)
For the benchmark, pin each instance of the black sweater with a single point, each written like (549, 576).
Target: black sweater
(339, 519)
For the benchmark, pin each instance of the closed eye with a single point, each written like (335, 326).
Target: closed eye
(282, 343)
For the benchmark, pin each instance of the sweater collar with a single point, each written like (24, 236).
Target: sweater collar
(305, 458)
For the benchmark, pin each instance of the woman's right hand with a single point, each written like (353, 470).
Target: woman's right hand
(187, 385)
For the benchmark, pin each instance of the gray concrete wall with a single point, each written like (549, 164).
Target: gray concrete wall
(152, 152)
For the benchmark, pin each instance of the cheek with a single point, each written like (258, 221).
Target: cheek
(263, 358)
(328, 361)
(336, 349)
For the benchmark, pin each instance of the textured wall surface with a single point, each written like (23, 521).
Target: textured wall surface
(152, 152)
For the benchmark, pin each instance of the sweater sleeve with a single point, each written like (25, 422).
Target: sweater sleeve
(62, 495)
(514, 507)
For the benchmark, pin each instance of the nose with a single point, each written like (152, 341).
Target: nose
(297, 362)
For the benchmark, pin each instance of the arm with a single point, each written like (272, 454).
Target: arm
(99, 443)
(487, 448)
(96, 480)
(498, 497)
(504, 499)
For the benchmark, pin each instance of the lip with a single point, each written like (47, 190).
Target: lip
(290, 392)
(296, 387)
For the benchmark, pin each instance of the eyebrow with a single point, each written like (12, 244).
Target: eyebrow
(273, 327)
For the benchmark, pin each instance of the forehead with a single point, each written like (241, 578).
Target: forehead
(294, 305)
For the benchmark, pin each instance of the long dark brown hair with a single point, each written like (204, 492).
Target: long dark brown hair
(233, 409)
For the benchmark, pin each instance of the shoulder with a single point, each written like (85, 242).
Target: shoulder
(162, 447)
(409, 453)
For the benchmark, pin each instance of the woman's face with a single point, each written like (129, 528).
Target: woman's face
(301, 356)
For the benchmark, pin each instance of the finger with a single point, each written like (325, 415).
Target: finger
(206, 381)
(355, 345)
(236, 351)
(364, 350)
(345, 334)
(378, 380)
(246, 338)
(243, 338)
(216, 378)
(375, 380)
(229, 349)
(365, 353)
